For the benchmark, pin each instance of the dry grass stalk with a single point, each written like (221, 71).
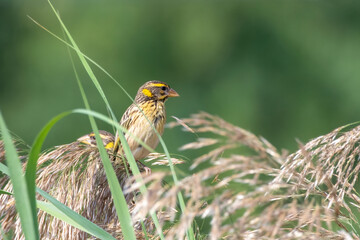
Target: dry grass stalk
(161, 160)
(261, 194)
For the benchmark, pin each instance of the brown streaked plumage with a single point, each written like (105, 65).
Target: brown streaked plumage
(151, 99)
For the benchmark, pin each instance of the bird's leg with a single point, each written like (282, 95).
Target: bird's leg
(144, 168)
(116, 146)
(147, 170)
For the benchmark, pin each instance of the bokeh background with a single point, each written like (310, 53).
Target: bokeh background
(285, 70)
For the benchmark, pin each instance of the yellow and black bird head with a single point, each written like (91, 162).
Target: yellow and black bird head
(106, 137)
(155, 90)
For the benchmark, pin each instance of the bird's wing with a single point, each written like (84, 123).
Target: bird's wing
(128, 118)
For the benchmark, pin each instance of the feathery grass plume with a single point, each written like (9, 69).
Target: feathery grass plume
(2, 151)
(246, 196)
(328, 167)
(3, 178)
(22, 149)
(73, 174)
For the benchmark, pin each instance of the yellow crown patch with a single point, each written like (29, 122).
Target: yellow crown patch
(158, 85)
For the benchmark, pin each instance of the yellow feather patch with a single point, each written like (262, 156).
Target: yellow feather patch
(85, 142)
(158, 85)
(147, 92)
(110, 145)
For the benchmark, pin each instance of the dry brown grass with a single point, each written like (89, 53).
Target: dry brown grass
(242, 185)
(73, 174)
(262, 193)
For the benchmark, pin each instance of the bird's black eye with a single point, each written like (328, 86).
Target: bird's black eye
(163, 88)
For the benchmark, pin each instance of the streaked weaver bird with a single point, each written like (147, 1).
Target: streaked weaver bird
(106, 137)
(150, 98)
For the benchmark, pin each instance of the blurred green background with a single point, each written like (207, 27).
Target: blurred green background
(281, 69)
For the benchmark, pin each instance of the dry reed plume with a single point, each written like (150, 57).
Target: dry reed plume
(261, 193)
(22, 149)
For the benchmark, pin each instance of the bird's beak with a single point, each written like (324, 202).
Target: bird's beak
(173, 93)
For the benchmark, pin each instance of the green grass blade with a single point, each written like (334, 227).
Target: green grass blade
(22, 198)
(60, 211)
(116, 191)
(4, 169)
(83, 61)
(4, 192)
(30, 174)
(190, 232)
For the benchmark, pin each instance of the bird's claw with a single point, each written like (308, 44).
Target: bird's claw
(147, 170)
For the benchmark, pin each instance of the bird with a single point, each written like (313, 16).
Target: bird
(106, 137)
(141, 117)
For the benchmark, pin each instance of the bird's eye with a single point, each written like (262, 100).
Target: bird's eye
(163, 88)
